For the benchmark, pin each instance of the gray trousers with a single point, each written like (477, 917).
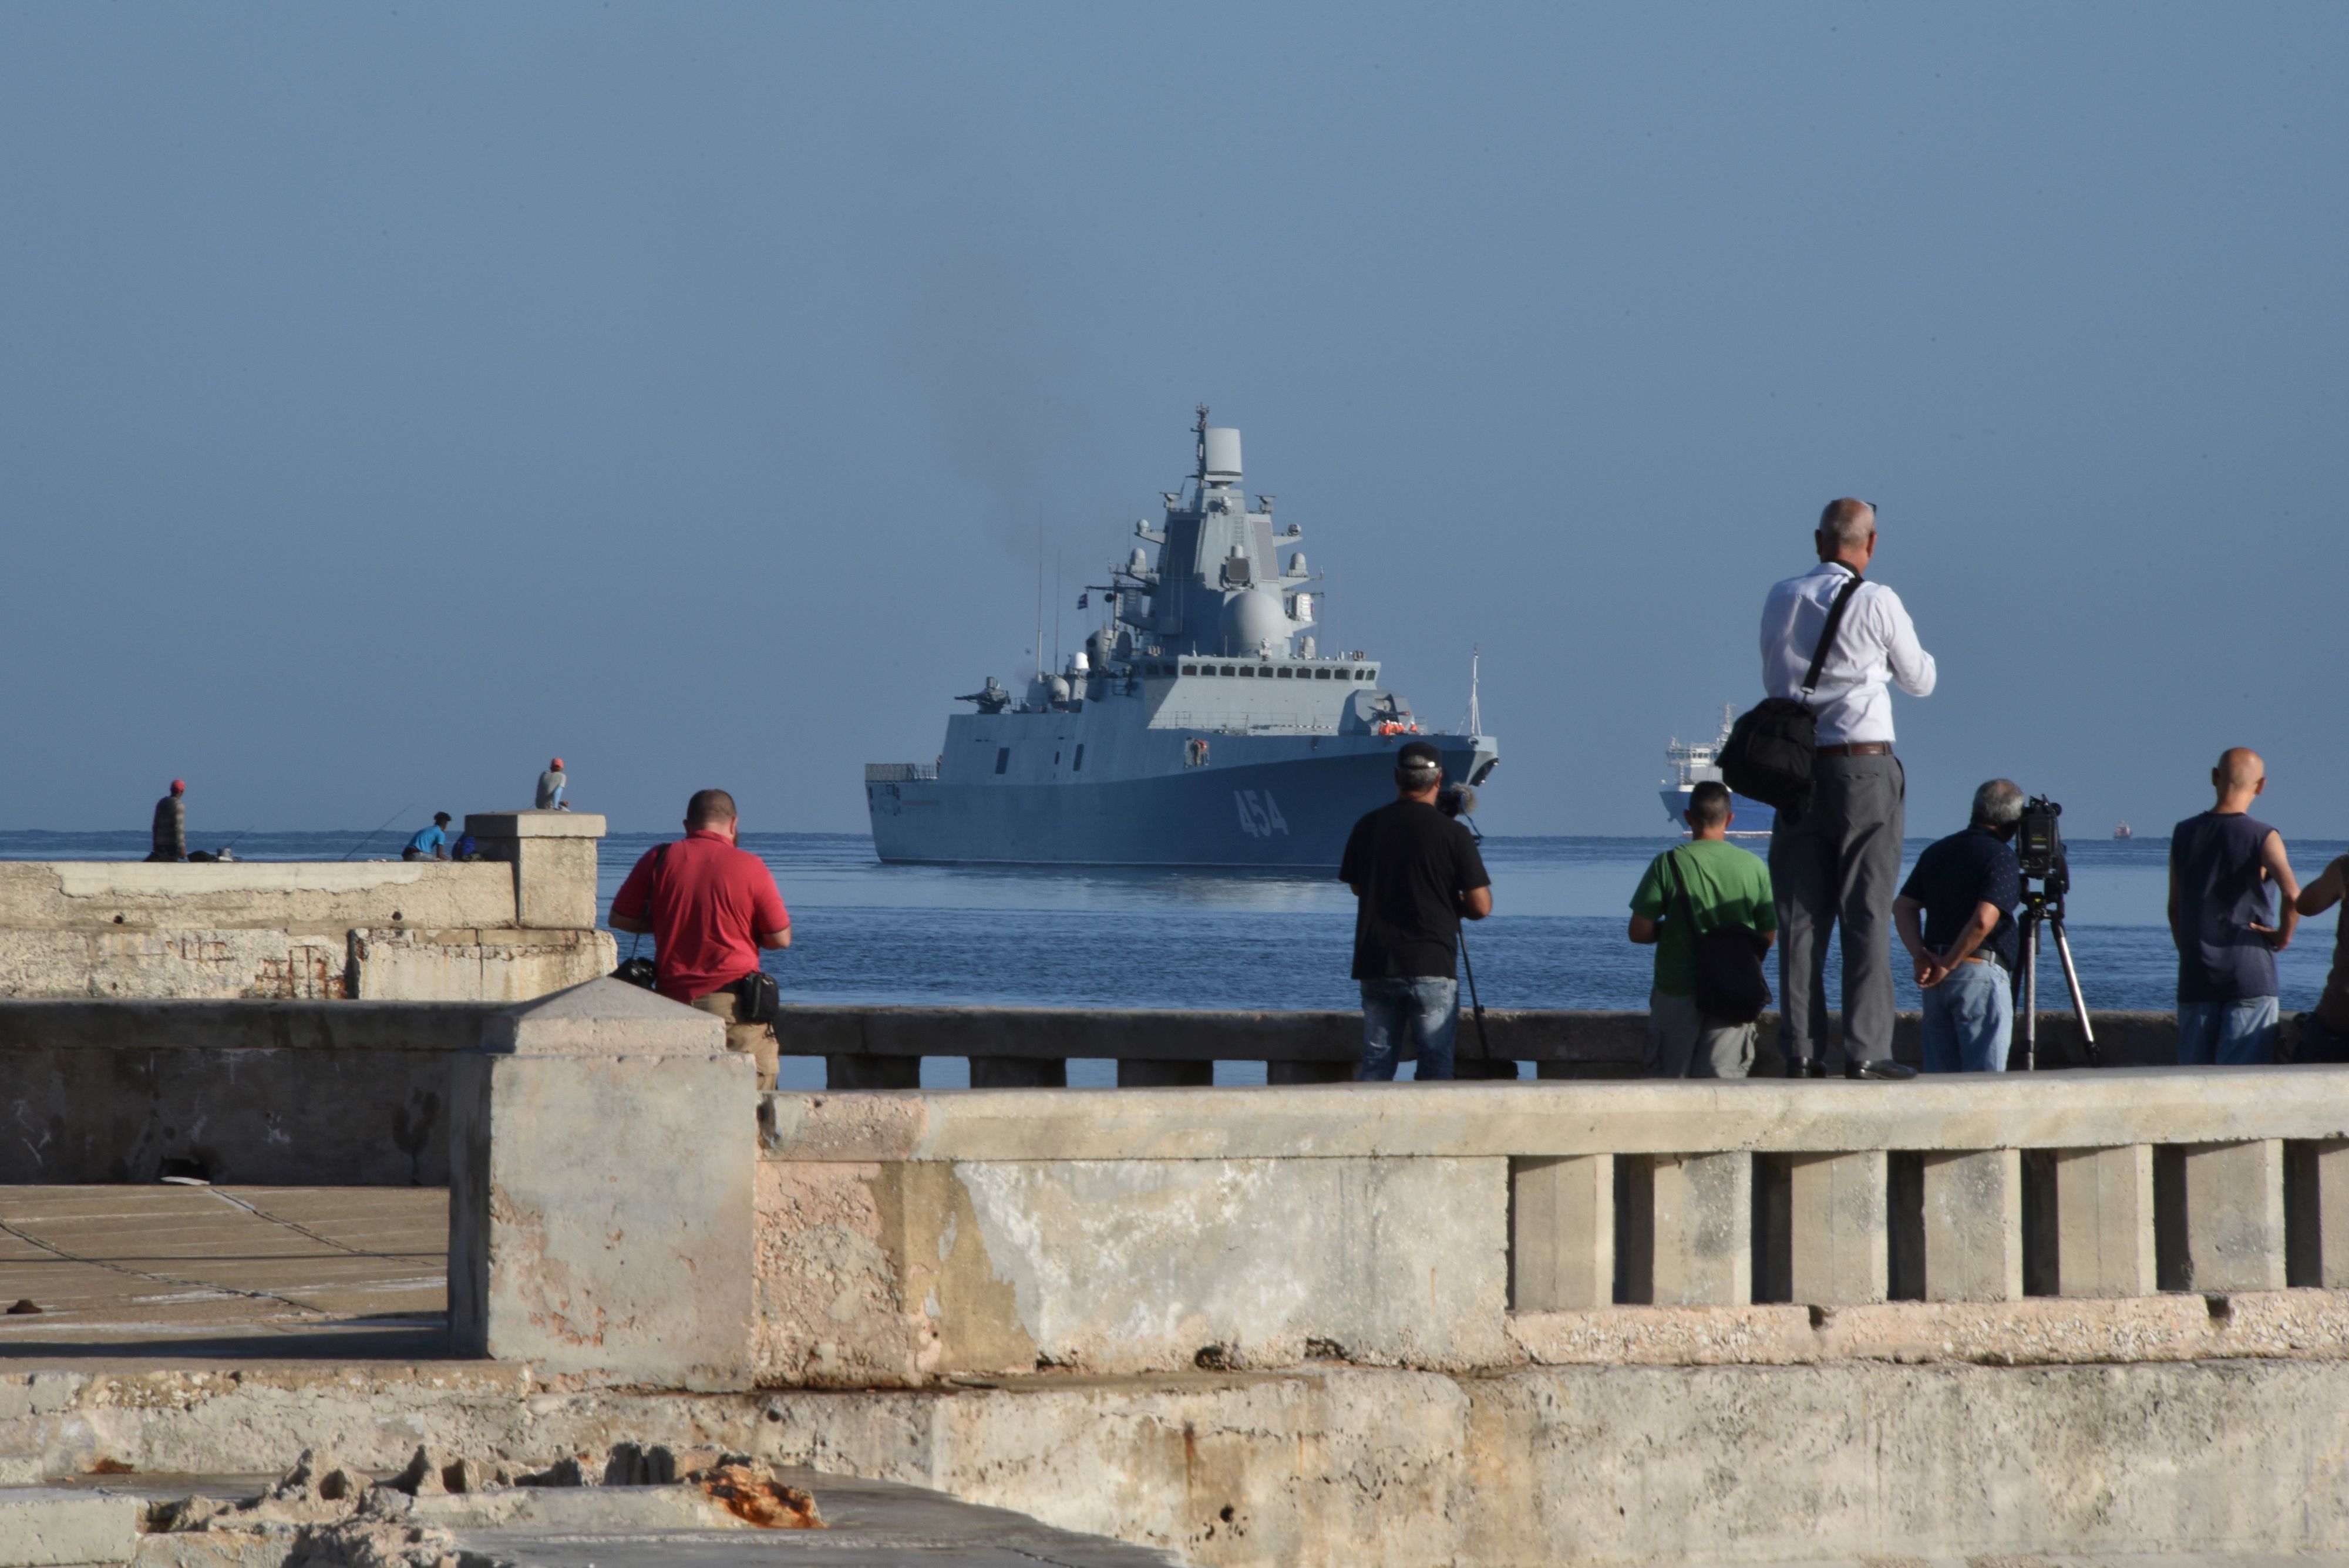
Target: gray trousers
(1685, 1044)
(1839, 863)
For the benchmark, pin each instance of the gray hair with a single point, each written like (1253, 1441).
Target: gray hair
(1849, 521)
(1998, 804)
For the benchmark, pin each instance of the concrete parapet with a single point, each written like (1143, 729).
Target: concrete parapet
(1972, 1230)
(552, 854)
(2233, 1223)
(603, 1150)
(1561, 1233)
(312, 930)
(2104, 1245)
(1837, 1230)
(1699, 1245)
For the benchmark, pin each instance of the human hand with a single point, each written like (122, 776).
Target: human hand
(1931, 971)
(2277, 940)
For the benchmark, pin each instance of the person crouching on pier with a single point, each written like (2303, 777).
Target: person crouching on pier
(170, 833)
(2225, 867)
(711, 905)
(1966, 886)
(1416, 873)
(1706, 885)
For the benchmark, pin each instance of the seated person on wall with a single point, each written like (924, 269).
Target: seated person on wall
(170, 836)
(2324, 1034)
(551, 785)
(1415, 873)
(430, 843)
(2225, 869)
(1966, 886)
(1704, 884)
(711, 906)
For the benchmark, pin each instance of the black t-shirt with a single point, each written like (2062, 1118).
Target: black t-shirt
(1958, 874)
(1411, 863)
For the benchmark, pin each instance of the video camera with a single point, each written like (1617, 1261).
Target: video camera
(2038, 842)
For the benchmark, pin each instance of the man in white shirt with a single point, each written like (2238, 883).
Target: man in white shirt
(1837, 860)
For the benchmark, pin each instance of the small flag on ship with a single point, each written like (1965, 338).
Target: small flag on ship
(1083, 599)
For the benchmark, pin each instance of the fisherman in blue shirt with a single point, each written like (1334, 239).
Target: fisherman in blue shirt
(431, 842)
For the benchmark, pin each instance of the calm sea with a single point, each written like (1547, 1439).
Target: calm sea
(862, 932)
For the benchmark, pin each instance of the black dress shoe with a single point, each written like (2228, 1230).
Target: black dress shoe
(1888, 1070)
(1805, 1067)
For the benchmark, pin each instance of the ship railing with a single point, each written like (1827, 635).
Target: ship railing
(878, 1047)
(901, 772)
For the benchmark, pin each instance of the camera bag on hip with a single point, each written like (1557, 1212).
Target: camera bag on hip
(1773, 746)
(1731, 986)
(757, 999)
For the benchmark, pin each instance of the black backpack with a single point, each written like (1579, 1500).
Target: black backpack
(1773, 745)
(1730, 984)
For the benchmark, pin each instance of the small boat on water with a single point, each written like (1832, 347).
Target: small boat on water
(2123, 831)
(1696, 763)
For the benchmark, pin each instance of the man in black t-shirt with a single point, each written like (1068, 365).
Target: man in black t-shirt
(1963, 891)
(1415, 872)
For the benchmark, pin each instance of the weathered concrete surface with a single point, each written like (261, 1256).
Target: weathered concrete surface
(1960, 1113)
(1340, 1466)
(475, 965)
(222, 1273)
(552, 858)
(284, 1094)
(47, 1527)
(1128, 1266)
(322, 897)
(603, 1148)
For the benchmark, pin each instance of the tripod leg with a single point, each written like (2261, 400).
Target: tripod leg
(2031, 992)
(2072, 982)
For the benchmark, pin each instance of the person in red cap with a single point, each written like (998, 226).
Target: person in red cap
(171, 825)
(551, 784)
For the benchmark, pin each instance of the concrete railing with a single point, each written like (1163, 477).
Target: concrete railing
(894, 1239)
(517, 924)
(348, 1093)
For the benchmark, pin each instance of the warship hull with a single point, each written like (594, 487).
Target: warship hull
(1275, 812)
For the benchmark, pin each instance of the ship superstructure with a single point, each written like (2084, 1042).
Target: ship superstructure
(1695, 762)
(1200, 725)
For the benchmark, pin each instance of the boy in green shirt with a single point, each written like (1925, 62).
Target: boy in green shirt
(1724, 886)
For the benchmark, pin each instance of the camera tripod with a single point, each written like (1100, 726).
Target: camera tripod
(2044, 906)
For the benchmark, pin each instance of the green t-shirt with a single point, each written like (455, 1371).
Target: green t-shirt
(1726, 886)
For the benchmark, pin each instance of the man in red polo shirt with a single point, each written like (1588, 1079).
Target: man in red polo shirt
(711, 906)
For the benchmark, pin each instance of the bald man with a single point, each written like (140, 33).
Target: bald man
(2231, 897)
(1836, 864)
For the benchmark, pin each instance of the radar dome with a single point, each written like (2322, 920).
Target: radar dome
(1250, 620)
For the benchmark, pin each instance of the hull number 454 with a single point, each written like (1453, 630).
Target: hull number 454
(1259, 816)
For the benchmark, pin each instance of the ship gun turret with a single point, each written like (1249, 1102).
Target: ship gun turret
(993, 699)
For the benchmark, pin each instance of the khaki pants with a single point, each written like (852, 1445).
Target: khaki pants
(755, 1040)
(1685, 1044)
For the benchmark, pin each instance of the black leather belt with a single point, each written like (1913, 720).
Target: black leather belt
(1858, 748)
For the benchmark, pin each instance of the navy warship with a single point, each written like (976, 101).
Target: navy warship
(1199, 725)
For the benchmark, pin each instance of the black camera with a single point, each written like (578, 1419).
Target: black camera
(2038, 842)
(1456, 801)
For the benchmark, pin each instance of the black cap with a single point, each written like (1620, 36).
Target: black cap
(1419, 754)
(439, 817)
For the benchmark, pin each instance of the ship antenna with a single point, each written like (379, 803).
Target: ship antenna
(1475, 714)
(1202, 445)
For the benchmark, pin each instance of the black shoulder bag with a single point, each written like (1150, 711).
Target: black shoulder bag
(1772, 749)
(639, 971)
(1730, 984)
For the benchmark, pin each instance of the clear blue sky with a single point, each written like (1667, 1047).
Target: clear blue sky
(391, 398)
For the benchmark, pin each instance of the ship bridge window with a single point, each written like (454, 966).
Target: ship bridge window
(1002, 758)
(1320, 675)
(1285, 673)
(1078, 764)
(1190, 669)
(1227, 669)
(1248, 670)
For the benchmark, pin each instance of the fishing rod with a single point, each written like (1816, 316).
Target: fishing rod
(386, 822)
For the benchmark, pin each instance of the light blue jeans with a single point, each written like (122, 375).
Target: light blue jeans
(2226, 1033)
(1426, 1010)
(1969, 1021)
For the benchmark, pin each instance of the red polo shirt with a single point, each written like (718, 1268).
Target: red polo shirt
(710, 903)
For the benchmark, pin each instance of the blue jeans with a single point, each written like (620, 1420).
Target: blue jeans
(2226, 1033)
(1969, 1021)
(1425, 1008)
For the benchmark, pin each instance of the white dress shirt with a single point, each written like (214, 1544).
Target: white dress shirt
(1876, 643)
